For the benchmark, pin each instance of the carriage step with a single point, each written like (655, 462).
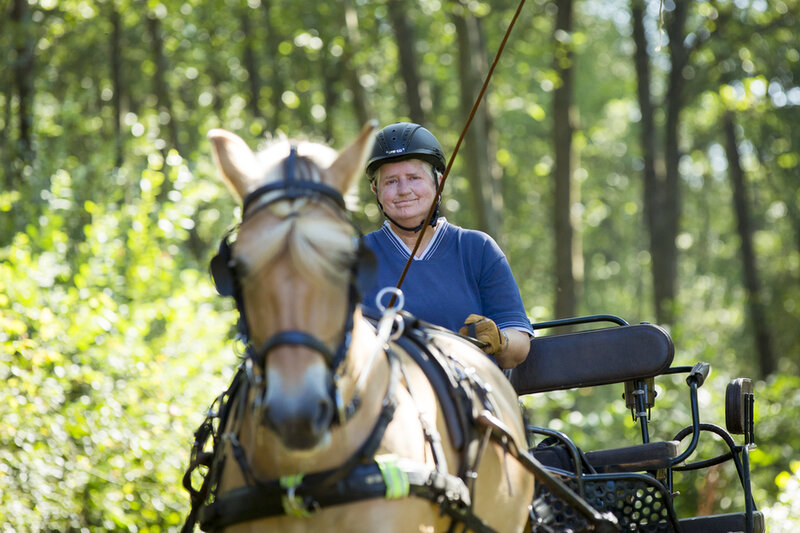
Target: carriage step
(639, 458)
(722, 523)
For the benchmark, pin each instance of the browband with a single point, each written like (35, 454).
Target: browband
(291, 188)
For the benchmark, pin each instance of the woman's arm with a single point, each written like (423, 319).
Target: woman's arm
(515, 350)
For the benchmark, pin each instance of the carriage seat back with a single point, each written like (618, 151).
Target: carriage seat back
(594, 357)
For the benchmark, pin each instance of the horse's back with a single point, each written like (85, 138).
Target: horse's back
(502, 390)
(502, 487)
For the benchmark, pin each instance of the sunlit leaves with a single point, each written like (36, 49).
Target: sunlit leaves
(106, 369)
(784, 515)
(788, 161)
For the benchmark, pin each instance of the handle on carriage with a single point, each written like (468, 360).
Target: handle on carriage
(695, 379)
(698, 374)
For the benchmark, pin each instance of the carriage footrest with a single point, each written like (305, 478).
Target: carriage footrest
(639, 458)
(722, 523)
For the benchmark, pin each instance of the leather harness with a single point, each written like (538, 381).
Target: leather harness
(460, 395)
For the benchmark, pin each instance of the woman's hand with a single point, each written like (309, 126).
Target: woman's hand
(485, 330)
(509, 347)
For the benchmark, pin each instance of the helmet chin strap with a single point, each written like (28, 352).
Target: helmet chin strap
(414, 229)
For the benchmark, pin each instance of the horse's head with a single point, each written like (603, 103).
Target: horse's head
(291, 272)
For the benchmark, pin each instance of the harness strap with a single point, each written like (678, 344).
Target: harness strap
(209, 459)
(441, 382)
(370, 446)
(362, 476)
(323, 480)
(365, 481)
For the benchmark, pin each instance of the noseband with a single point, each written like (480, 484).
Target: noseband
(227, 279)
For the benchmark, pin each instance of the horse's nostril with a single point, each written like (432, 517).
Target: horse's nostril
(300, 424)
(324, 415)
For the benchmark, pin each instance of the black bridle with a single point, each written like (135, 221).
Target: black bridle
(227, 278)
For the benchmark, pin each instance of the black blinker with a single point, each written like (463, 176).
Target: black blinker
(222, 271)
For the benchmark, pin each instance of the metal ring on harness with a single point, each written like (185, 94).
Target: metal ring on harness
(397, 295)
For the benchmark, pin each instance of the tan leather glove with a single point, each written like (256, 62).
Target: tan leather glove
(485, 330)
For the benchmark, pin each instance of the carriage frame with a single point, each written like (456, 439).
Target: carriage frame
(635, 483)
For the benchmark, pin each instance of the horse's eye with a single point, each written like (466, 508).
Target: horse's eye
(239, 267)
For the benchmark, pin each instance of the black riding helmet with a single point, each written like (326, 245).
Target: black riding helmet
(406, 140)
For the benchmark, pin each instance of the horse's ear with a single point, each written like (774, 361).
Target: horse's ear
(350, 162)
(235, 160)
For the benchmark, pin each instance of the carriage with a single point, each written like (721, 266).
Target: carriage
(635, 482)
(341, 421)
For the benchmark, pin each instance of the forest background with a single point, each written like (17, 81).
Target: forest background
(631, 157)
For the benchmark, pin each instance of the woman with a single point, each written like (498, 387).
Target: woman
(460, 278)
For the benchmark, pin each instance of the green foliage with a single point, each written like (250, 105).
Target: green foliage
(784, 515)
(110, 351)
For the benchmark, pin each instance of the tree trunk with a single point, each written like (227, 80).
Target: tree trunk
(116, 83)
(409, 71)
(22, 69)
(250, 63)
(654, 179)
(352, 44)
(755, 297)
(5, 151)
(164, 99)
(217, 72)
(273, 39)
(667, 201)
(160, 80)
(782, 189)
(332, 75)
(567, 246)
(477, 153)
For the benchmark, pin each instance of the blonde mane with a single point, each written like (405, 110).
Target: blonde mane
(321, 244)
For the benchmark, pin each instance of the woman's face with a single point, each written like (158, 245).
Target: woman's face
(406, 190)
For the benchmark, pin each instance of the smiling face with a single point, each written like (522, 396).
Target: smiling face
(406, 190)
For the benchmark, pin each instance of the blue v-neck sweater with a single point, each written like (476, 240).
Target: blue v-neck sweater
(460, 272)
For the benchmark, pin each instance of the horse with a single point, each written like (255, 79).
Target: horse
(338, 421)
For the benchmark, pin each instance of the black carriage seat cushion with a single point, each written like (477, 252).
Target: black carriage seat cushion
(638, 458)
(722, 523)
(594, 357)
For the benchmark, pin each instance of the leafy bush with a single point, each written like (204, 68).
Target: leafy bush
(109, 354)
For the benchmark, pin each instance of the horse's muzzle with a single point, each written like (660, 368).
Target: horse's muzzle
(300, 417)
